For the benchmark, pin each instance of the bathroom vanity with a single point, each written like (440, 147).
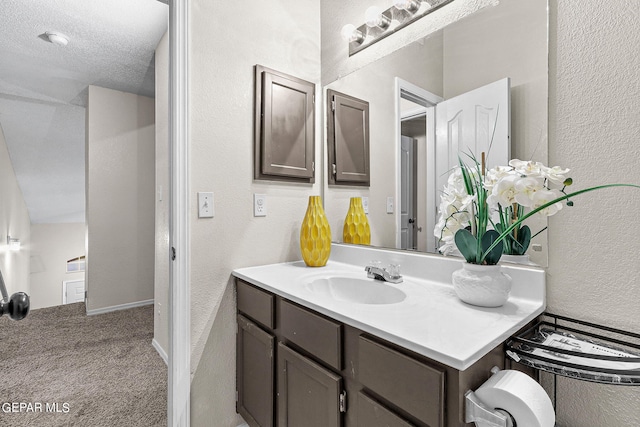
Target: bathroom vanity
(330, 347)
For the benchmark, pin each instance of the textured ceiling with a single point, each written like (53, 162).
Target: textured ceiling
(43, 87)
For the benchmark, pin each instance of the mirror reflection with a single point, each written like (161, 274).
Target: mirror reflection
(404, 88)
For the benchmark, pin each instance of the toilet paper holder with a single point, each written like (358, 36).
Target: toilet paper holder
(477, 412)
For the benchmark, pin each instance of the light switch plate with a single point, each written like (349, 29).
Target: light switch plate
(205, 205)
(389, 205)
(365, 205)
(259, 204)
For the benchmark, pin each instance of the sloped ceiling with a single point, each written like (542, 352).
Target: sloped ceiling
(43, 87)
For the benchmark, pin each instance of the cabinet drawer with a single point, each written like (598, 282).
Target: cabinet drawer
(405, 382)
(255, 303)
(373, 414)
(319, 336)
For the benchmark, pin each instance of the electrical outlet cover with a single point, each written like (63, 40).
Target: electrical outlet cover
(259, 205)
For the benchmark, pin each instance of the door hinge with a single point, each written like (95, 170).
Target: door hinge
(333, 105)
(334, 169)
(85, 294)
(173, 253)
(313, 166)
(343, 401)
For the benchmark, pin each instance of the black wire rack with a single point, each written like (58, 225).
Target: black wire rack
(578, 349)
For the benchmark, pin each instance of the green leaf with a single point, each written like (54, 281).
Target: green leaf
(491, 256)
(524, 239)
(467, 245)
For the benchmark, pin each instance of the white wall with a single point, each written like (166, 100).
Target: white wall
(593, 270)
(161, 276)
(52, 245)
(225, 45)
(120, 169)
(14, 221)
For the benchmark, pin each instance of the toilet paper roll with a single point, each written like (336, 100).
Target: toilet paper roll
(521, 396)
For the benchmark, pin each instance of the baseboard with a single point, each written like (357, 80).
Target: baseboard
(119, 307)
(160, 351)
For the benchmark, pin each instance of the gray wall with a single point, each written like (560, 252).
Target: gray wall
(120, 198)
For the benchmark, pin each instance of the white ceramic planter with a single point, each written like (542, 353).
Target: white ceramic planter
(482, 285)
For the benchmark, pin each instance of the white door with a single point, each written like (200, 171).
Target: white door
(407, 192)
(474, 122)
(72, 291)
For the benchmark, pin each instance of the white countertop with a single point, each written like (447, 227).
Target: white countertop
(430, 321)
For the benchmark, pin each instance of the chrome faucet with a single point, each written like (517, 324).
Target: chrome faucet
(386, 274)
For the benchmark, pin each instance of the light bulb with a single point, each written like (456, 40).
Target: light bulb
(374, 18)
(408, 5)
(351, 34)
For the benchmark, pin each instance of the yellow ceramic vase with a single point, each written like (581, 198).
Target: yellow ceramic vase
(356, 225)
(315, 235)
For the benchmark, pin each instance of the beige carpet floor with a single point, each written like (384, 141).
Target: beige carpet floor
(59, 367)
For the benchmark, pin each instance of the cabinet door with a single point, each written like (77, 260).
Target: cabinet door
(348, 139)
(255, 364)
(308, 394)
(284, 134)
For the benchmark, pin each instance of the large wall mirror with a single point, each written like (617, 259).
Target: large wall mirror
(505, 41)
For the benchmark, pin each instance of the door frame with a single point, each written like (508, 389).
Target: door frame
(409, 174)
(404, 89)
(179, 375)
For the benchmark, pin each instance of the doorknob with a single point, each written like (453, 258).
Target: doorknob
(17, 307)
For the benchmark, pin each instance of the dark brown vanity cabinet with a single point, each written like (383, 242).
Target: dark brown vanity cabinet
(298, 368)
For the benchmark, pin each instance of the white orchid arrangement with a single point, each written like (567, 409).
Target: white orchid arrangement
(473, 200)
(522, 186)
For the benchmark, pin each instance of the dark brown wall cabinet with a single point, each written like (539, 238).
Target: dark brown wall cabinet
(328, 374)
(284, 127)
(347, 139)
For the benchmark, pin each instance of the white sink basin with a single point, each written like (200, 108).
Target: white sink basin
(357, 290)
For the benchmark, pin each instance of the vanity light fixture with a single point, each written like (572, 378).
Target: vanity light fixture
(379, 24)
(13, 243)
